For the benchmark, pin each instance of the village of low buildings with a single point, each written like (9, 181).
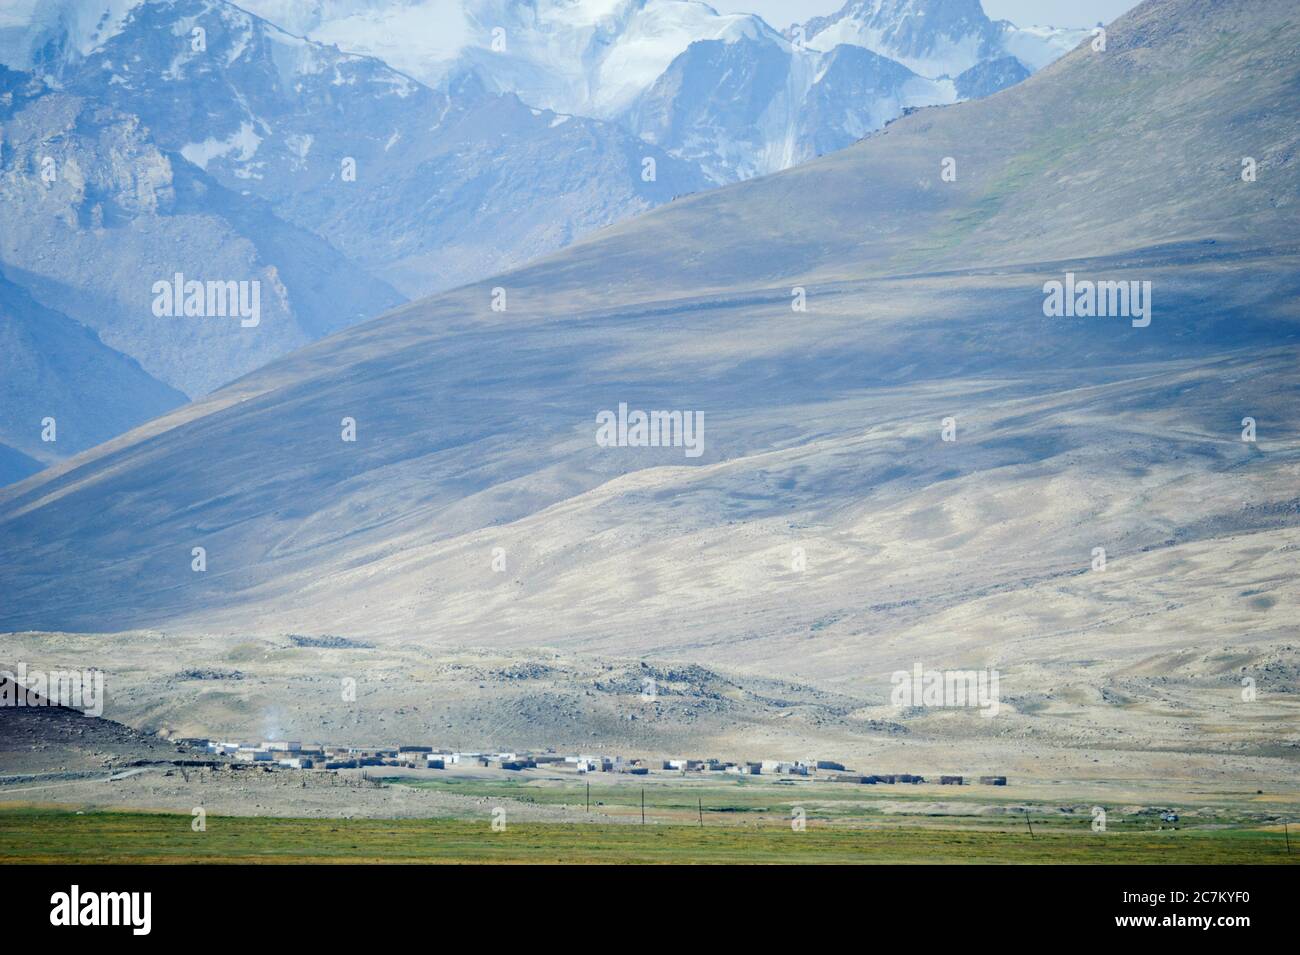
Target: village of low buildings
(294, 755)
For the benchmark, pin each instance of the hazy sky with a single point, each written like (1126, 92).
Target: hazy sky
(1060, 13)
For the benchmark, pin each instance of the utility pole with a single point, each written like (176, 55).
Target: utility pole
(1029, 823)
(643, 805)
(588, 795)
(700, 803)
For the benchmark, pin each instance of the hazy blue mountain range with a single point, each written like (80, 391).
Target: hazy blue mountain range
(53, 367)
(94, 212)
(449, 185)
(339, 185)
(726, 90)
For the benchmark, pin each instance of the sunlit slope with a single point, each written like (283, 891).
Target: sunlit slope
(475, 428)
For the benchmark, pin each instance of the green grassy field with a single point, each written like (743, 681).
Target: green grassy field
(763, 802)
(57, 836)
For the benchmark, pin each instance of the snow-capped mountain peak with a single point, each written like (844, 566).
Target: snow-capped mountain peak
(587, 57)
(929, 37)
(724, 90)
(936, 37)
